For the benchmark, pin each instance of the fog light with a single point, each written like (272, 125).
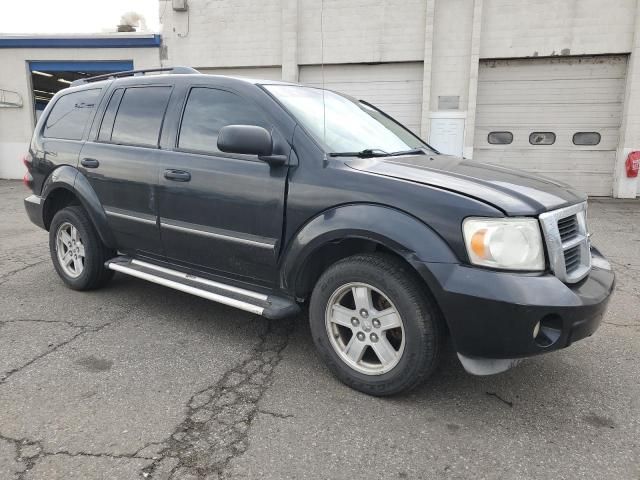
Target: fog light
(536, 330)
(548, 330)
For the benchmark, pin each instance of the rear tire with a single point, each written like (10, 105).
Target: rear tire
(77, 252)
(366, 304)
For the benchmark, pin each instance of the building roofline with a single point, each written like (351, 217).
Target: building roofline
(109, 40)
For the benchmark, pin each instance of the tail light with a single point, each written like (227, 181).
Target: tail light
(27, 179)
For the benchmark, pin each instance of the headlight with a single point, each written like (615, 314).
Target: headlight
(507, 243)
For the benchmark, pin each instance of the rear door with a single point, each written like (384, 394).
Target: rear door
(218, 211)
(122, 164)
(63, 131)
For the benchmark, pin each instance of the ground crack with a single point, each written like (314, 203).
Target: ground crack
(275, 414)
(494, 394)
(632, 325)
(83, 330)
(216, 428)
(39, 320)
(28, 452)
(5, 278)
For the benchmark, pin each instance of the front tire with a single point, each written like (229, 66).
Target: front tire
(77, 252)
(374, 324)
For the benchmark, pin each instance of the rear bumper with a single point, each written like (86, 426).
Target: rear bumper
(33, 206)
(492, 315)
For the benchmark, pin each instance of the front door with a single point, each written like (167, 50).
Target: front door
(220, 212)
(122, 166)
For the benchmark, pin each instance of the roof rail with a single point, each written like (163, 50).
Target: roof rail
(131, 73)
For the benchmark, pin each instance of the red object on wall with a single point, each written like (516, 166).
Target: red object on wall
(633, 164)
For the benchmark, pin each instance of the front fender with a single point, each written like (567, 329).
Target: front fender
(396, 230)
(69, 178)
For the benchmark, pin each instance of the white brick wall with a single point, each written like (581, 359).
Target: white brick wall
(358, 31)
(223, 33)
(525, 28)
(16, 124)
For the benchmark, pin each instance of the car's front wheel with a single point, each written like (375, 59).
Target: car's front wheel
(77, 252)
(375, 325)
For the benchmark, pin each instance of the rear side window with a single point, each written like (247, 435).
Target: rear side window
(70, 115)
(207, 111)
(140, 115)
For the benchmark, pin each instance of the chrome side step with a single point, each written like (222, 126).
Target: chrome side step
(257, 303)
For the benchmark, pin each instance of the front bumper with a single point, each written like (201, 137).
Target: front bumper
(33, 205)
(492, 315)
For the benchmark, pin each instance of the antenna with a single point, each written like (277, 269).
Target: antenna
(324, 107)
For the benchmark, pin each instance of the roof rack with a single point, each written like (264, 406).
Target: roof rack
(131, 73)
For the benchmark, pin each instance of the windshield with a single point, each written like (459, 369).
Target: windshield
(342, 124)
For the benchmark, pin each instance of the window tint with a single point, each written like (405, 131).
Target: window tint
(500, 138)
(542, 138)
(207, 111)
(110, 115)
(140, 116)
(586, 138)
(70, 115)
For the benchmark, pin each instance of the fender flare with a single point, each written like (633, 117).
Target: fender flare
(402, 233)
(69, 178)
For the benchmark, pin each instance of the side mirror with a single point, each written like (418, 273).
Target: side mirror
(249, 140)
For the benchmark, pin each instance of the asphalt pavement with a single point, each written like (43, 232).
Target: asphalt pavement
(140, 381)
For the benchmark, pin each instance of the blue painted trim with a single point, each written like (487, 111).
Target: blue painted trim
(81, 42)
(70, 66)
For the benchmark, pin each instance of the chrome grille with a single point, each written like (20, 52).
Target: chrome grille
(568, 228)
(567, 239)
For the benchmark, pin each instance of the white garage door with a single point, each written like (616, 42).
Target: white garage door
(542, 103)
(395, 88)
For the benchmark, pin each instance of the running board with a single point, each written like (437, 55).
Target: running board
(269, 306)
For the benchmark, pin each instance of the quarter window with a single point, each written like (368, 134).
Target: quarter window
(70, 115)
(500, 138)
(207, 111)
(140, 116)
(586, 138)
(542, 138)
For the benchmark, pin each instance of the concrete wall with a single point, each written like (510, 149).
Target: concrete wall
(16, 124)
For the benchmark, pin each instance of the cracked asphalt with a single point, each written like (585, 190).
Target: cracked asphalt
(139, 381)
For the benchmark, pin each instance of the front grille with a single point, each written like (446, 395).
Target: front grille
(568, 228)
(567, 239)
(572, 258)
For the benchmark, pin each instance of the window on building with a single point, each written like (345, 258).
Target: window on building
(139, 117)
(207, 111)
(70, 115)
(542, 138)
(586, 138)
(500, 138)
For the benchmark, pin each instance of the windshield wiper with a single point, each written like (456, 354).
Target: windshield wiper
(376, 152)
(413, 151)
(366, 153)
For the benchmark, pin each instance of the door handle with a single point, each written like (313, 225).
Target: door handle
(177, 175)
(90, 163)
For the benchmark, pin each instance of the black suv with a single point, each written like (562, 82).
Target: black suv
(267, 196)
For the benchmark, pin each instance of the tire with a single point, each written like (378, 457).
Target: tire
(417, 341)
(82, 273)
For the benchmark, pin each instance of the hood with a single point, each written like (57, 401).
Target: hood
(513, 191)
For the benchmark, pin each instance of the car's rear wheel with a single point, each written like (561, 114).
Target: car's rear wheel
(375, 325)
(77, 252)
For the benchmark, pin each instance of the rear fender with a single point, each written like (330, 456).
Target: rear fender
(71, 179)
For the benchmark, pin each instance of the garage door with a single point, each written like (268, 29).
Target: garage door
(558, 117)
(395, 88)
